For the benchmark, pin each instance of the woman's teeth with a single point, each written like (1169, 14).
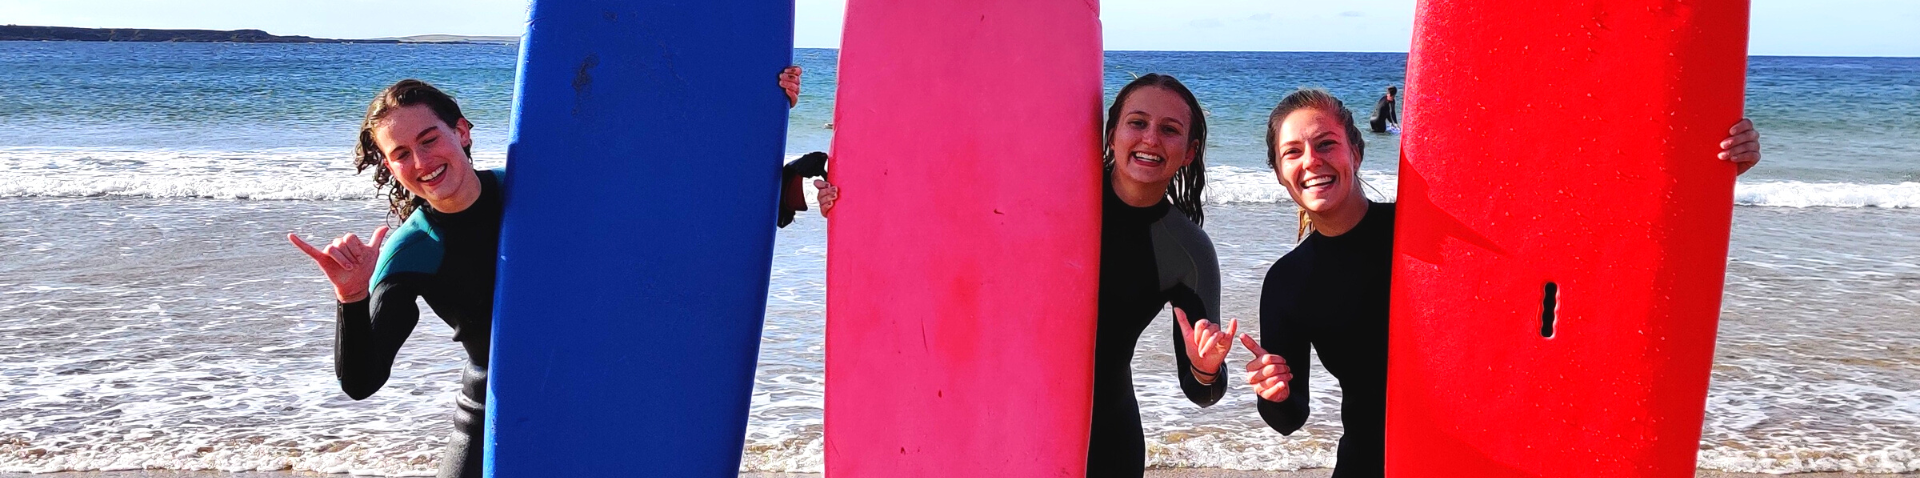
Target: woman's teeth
(1144, 157)
(1317, 182)
(435, 174)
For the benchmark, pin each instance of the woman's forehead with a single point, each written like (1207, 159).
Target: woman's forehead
(407, 122)
(1308, 123)
(1157, 101)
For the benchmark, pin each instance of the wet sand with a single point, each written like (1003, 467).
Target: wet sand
(1158, 473)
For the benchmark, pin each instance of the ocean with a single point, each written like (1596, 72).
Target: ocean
(152, 314)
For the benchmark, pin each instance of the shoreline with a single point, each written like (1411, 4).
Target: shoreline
(160, 35)
(1151, 473)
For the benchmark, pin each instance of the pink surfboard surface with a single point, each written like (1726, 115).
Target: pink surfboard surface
(963, 252)
(1570, 143)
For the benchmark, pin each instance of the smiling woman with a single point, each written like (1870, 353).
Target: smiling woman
(1153, 253)
(419, 146)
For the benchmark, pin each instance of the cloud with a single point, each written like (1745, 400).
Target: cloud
(1206, 23)
(1261, 17)
(1352, 14)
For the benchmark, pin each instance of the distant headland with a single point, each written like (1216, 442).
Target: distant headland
(39, 33)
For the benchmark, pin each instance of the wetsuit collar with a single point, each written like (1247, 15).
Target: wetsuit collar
(1118, 209)
(486, 208)
(1372, 223)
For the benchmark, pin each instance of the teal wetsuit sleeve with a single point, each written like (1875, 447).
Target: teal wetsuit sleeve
(369, 335)
(370, 332)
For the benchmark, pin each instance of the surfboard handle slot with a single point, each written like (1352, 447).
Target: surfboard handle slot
(1548, 309)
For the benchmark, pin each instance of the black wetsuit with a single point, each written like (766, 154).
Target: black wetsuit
(1383, 113)
(792, 193)
(1331, 293)
(448, 259)
(1148, 257)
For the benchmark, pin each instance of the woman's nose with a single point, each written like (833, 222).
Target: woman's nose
(1311, 160)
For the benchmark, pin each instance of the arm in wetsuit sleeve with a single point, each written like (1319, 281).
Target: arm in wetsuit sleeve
(1187, 300)
(1285, 416)
(793, 197)
(1190, 272)
(368, 335)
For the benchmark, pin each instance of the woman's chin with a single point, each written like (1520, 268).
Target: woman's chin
(1322, 205)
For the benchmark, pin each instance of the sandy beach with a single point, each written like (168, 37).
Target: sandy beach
(1159, 473)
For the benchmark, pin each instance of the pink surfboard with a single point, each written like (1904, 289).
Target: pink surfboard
(1562, 235)
(963, 253)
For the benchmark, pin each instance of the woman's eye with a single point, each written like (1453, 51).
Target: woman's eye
(429, 141)
(1137, 123)
(1170, 130)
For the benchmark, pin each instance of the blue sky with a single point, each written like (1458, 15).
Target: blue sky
(1780, 27)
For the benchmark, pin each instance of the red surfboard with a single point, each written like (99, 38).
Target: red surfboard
(1562, 235)
(963, 252)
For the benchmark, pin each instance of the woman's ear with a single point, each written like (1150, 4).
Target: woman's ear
(1359, 156)
(466, 132)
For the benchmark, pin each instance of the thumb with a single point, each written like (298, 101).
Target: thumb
(379, 237)
(1252, 346)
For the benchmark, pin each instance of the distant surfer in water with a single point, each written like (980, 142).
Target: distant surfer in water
(1385, 116)
(419, 146)
(1330, 292)
(1152, 253)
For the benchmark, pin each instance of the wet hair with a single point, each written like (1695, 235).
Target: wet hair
(1190, 180)
(367, 154)
(1320, 100)
(1393, 90)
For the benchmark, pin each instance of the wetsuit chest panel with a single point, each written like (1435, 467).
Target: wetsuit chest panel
(461, 290)
(1130, 285)
(1345, 309)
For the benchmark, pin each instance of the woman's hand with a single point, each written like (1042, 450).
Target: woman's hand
(1268, 373)
(790, 81)
(1742, 146)
(347, 262)
(1207, 345)
(828, 193)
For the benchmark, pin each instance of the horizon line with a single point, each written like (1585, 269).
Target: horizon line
(798, 47)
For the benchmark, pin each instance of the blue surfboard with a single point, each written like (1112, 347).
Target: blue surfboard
(642, 186)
